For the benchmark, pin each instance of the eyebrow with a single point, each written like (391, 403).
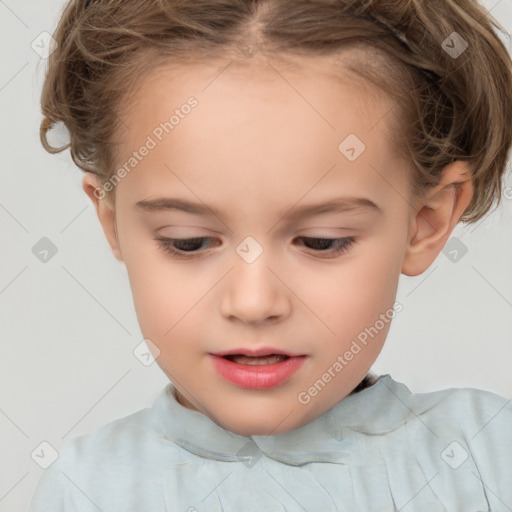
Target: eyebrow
(336, 205)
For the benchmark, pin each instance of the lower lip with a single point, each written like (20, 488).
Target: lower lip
(263, 376)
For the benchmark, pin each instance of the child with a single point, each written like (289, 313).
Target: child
(266, 170)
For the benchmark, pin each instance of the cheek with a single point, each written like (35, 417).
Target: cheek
(164, 293)
(162, 309)
(168, 309)
(353, 296)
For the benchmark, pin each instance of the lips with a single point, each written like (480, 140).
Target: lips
(251, 352)
(262, 368)
(256, 360)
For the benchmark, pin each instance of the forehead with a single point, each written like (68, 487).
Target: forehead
(259, 78)
(171, 78)
(265, 121)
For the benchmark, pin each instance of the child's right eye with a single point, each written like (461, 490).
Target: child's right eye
(188, 248)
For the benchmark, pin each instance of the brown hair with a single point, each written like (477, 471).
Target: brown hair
(449, 107)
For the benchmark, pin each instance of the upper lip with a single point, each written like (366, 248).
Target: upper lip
(264, 351)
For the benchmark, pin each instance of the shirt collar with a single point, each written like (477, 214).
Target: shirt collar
(377, 409)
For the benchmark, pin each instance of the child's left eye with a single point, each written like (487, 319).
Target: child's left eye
(341, 245)
(187, 248)
(172, 245)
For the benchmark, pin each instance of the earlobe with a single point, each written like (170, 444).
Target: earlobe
(104, 210)
(435, 216)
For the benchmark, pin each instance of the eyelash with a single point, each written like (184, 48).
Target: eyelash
(167, 244)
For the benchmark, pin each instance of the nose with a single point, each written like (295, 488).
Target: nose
(255, 293)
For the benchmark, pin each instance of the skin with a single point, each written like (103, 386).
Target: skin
(254, 149)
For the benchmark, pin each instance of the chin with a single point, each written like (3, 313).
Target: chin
(251, 429)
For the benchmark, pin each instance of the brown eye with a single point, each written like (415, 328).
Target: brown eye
(182, 246)
(332, 246)
(192, 247)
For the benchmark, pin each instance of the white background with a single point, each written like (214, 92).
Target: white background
(68, 326)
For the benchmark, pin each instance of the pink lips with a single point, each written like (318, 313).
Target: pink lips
(265, 351)
(264, 376)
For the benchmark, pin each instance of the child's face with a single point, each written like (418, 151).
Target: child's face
(259, 146)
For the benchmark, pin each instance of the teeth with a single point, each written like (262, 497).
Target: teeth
(271, 359)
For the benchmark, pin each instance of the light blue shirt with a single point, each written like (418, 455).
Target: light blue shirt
(382, 449)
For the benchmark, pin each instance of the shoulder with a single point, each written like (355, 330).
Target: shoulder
(98, 466)
(133, 441)
(481, 418)
(113, 436)
(464, 435)
(470, 410)
(61, 486)
(457, 410)
(458, 440)
(484, 419)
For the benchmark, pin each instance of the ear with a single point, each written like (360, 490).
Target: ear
(434, 216)
(105, 211)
